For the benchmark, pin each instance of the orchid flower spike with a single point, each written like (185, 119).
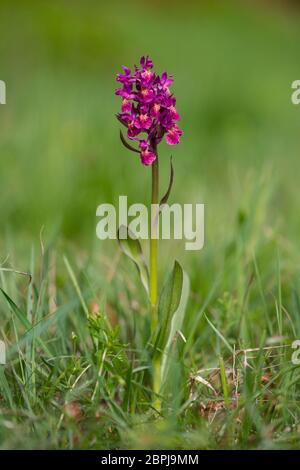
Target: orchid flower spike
(148, 108)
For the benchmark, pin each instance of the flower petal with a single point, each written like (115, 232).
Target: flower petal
(147, 157)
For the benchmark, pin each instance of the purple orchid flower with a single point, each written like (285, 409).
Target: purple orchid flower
(148, 107)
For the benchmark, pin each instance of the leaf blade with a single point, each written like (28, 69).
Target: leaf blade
(165, 198)
(132, 248)
(168, 303)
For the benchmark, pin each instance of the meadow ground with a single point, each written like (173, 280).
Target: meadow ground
(77, 375)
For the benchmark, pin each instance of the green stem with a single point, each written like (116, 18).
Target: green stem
(153, 248)
(153, 277)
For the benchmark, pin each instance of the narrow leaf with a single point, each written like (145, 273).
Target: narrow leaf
(168, 303)
(201, 380)
(219, 334)
(126, 144)
(76, 286)
(5, 389)
(131, 247)
(224, 381)
(165, 198)
(23, 319)
(176, 325)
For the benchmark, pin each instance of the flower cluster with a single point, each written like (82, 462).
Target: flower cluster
(148, 108)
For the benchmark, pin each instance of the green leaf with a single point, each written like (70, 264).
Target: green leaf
(165, 198)
(224, 381)
(131, 247)
(76, 286)
(168, 304)
(176, 321)
(219, 334)
(5, 389)
(23, 319)
(41, 327)
(126, 144)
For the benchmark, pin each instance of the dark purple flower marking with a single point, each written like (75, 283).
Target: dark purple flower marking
(148, 107)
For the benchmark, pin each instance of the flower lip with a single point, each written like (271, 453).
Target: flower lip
(147, 157)
(173, 135)
(174, 113)
(144, 121)
(126, 106)
(155, 110)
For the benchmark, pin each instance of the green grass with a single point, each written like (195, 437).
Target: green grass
(78, 373)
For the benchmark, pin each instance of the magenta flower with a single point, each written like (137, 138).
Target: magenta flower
(148, 108)
(173, 135)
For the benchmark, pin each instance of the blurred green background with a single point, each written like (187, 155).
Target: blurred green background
(233, 64)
